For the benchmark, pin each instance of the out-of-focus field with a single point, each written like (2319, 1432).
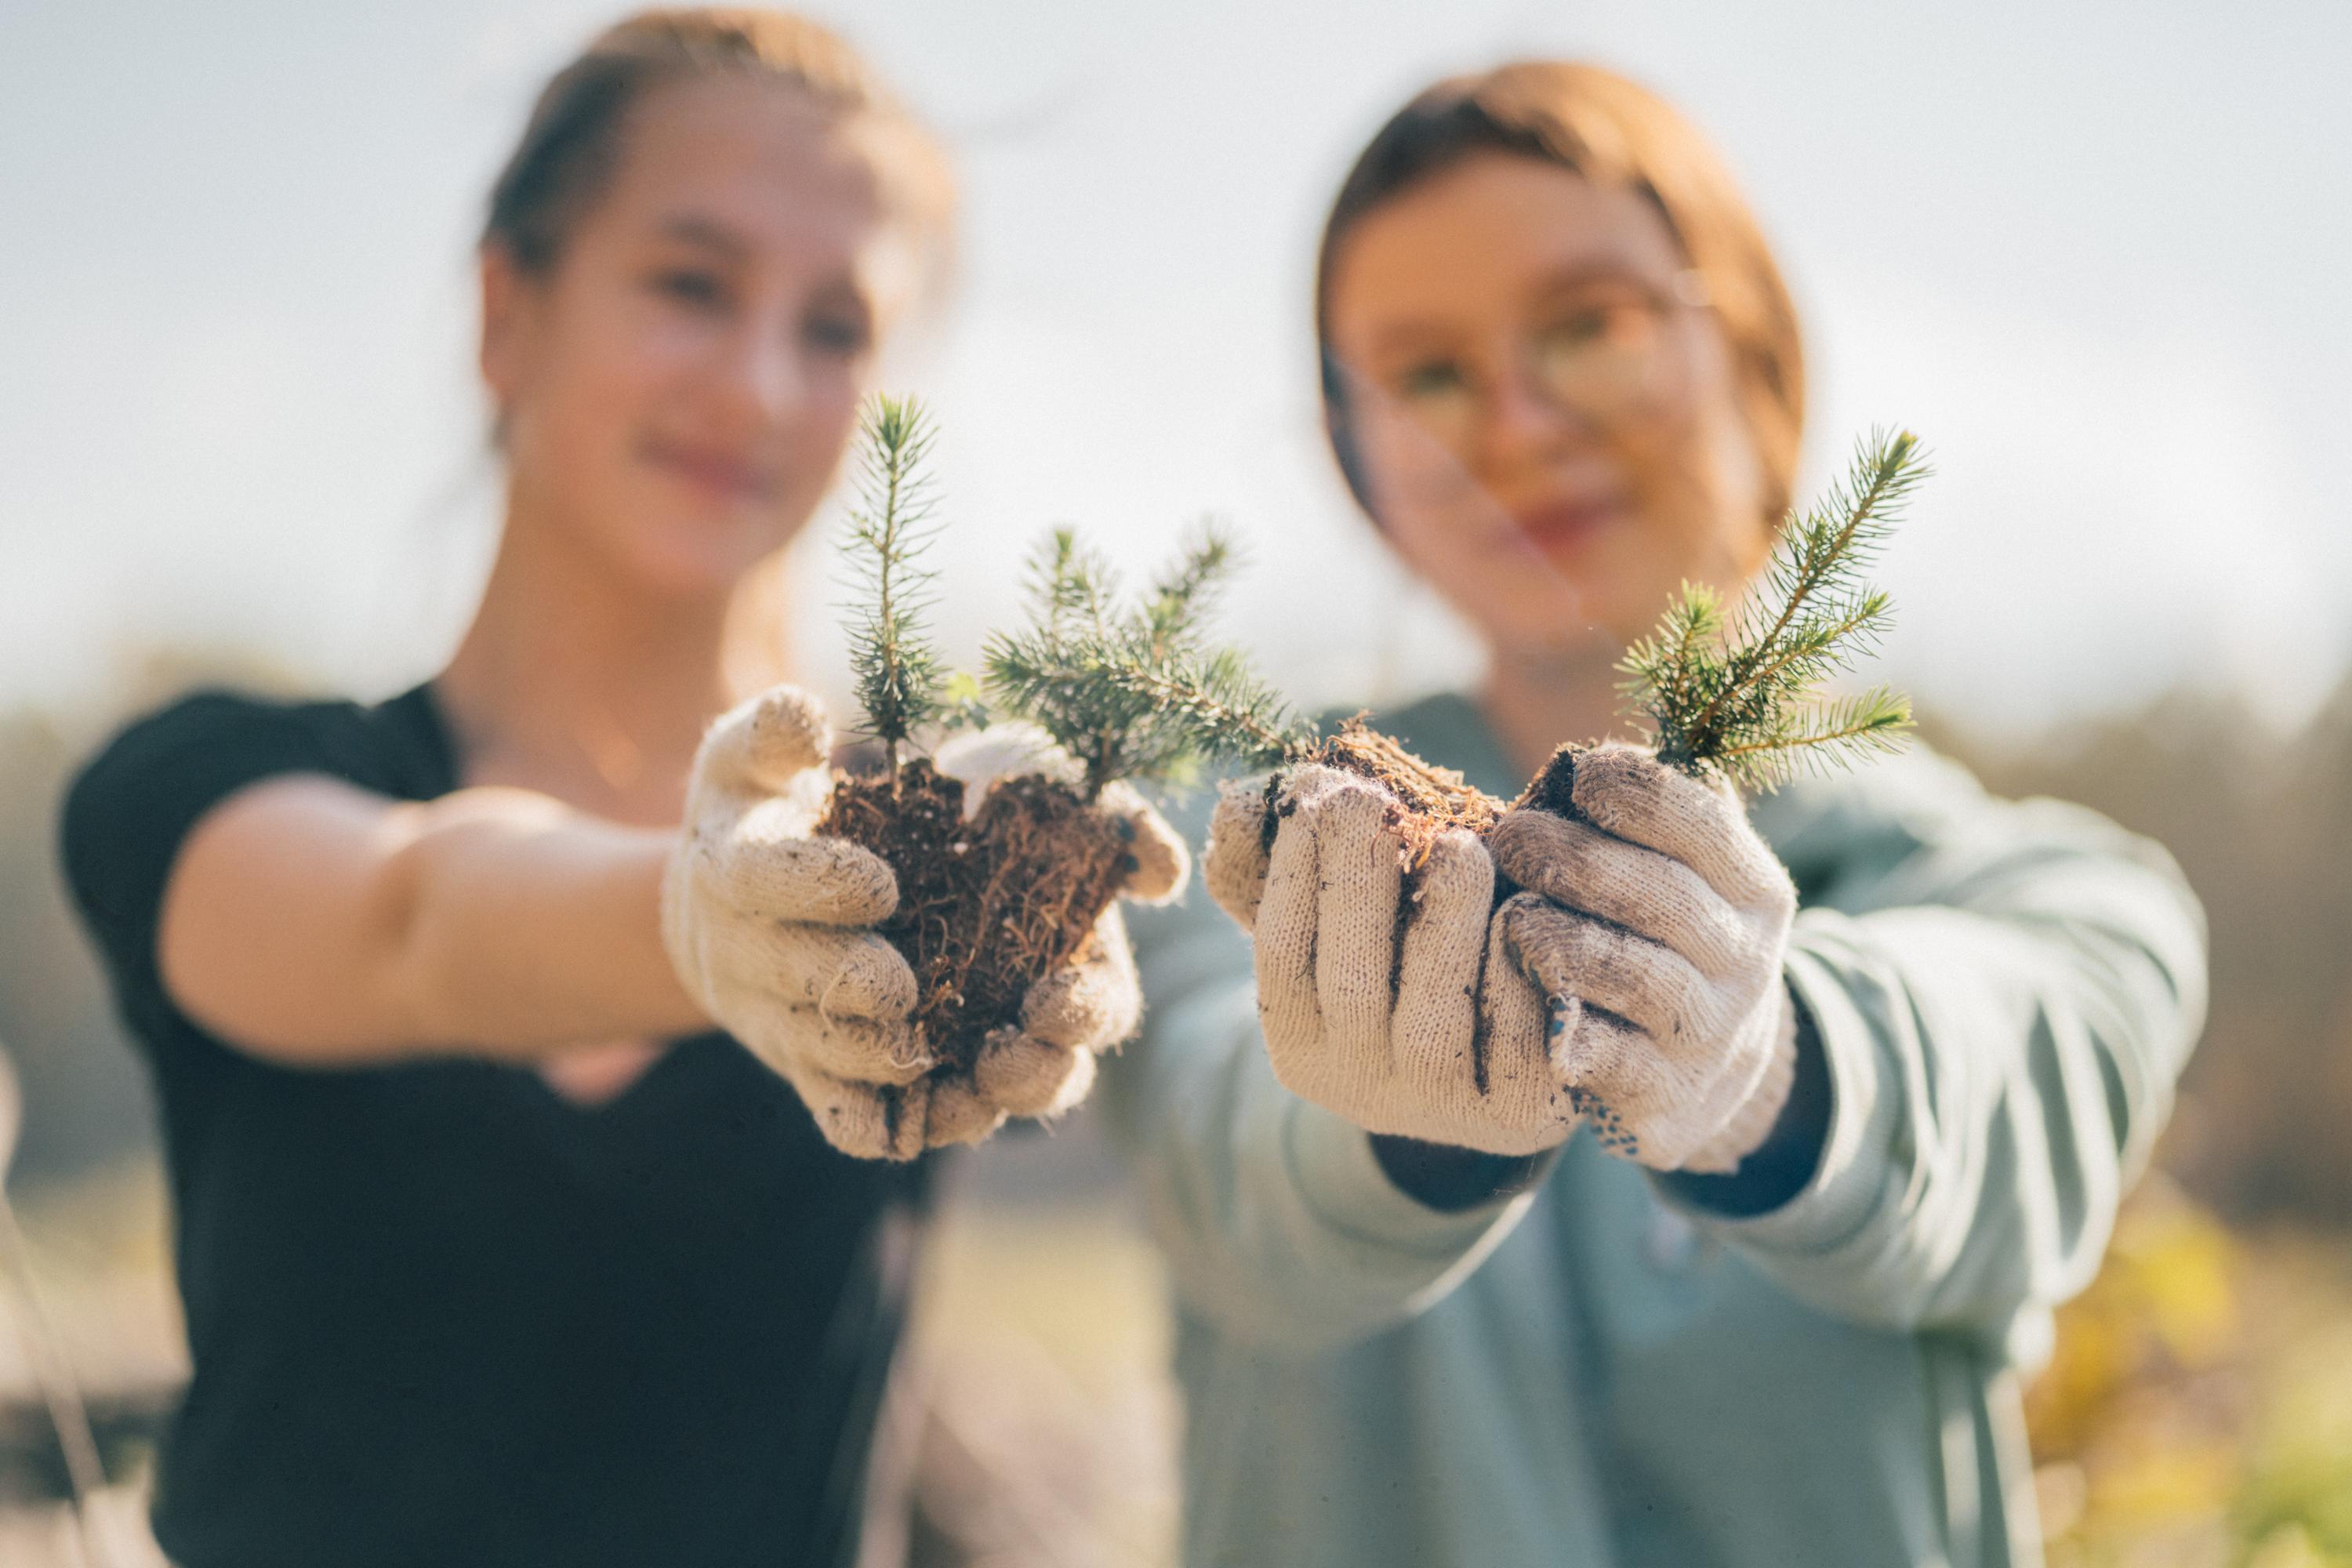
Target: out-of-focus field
(2198, 1413)
(2199, 1409)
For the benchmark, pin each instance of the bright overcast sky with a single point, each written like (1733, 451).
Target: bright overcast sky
(2093, 253)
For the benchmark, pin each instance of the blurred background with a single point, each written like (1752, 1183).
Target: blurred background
(2097, 266)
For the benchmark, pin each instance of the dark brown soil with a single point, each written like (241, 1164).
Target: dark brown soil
(1550, 789)
(985, 908)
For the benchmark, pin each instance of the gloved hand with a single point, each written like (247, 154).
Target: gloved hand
(767, 927)
(1045, 1065)
(1444, 1042)
(1656, 930)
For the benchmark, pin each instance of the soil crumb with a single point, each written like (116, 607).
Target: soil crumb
(986, 907)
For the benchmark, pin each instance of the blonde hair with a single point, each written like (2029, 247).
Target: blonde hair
(1614, 133)
(572, 141)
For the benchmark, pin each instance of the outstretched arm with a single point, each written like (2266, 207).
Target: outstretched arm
(309, 921)
(1995, 999)
(2004, 994)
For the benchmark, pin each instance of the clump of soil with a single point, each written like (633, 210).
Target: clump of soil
(1431, 799)
(986, 907)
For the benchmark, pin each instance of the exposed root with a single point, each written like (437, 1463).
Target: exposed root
(986, 908)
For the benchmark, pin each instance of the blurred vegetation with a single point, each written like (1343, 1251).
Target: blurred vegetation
(2258, 822)
(2199, 1410)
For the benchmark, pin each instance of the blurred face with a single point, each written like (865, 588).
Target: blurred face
(678, 390)
(1543, 407)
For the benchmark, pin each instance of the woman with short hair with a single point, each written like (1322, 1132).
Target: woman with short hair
(1866, 1063)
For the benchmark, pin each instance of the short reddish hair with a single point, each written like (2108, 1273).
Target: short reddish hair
(1614, 133)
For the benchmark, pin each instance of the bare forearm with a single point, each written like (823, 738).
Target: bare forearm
(529, 927)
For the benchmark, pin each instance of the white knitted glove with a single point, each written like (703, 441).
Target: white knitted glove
(761, 920)
(1444, 1042)
(765, 925)
(1657, 930)
(1046, 1065)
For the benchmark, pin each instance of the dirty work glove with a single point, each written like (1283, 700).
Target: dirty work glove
(1046, 1064)
(768, 927)
(1444, 1042)
(1656, 931)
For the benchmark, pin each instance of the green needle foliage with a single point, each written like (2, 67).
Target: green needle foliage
(901, 683)
(1734, 693)
(1133, 690)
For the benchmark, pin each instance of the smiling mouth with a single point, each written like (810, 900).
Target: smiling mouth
(1567, 523)
(716, 474)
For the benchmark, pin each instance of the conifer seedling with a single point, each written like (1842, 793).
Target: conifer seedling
(1736, 698)
(990, 901)
(1133, 690)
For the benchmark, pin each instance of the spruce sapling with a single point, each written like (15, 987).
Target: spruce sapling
(992, 892)
(901, 681)
(1733, 694)
(1133, 691)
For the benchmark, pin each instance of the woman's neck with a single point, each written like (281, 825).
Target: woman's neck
(1537, 700)
(573, 681)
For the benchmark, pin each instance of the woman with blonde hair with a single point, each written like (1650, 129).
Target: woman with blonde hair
(1868, 1062)
(493, 1249)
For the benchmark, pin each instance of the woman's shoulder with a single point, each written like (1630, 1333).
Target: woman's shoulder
(216, 732)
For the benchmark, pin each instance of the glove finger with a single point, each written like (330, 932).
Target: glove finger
(1235, 869)
(790, 1038)
(1564, 953)
(839, 974)
(863, 1050)
(983, 758)
(757, 747)
(1517, 1070)
(1094, 1001)
(1359, 864)
(1024, 1075)
(1585, 869)
(768, 867)
(868, 1121)
(1161, 860)
(958, 1114)
(1445, 932)
(1630, 793)
(1613, 1072)
(1284, 941)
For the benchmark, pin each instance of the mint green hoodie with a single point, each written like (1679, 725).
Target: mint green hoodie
(1598, 1370)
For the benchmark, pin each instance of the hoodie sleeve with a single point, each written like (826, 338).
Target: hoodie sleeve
(2005, 994)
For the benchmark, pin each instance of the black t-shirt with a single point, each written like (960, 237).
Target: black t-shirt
(438, 1313)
